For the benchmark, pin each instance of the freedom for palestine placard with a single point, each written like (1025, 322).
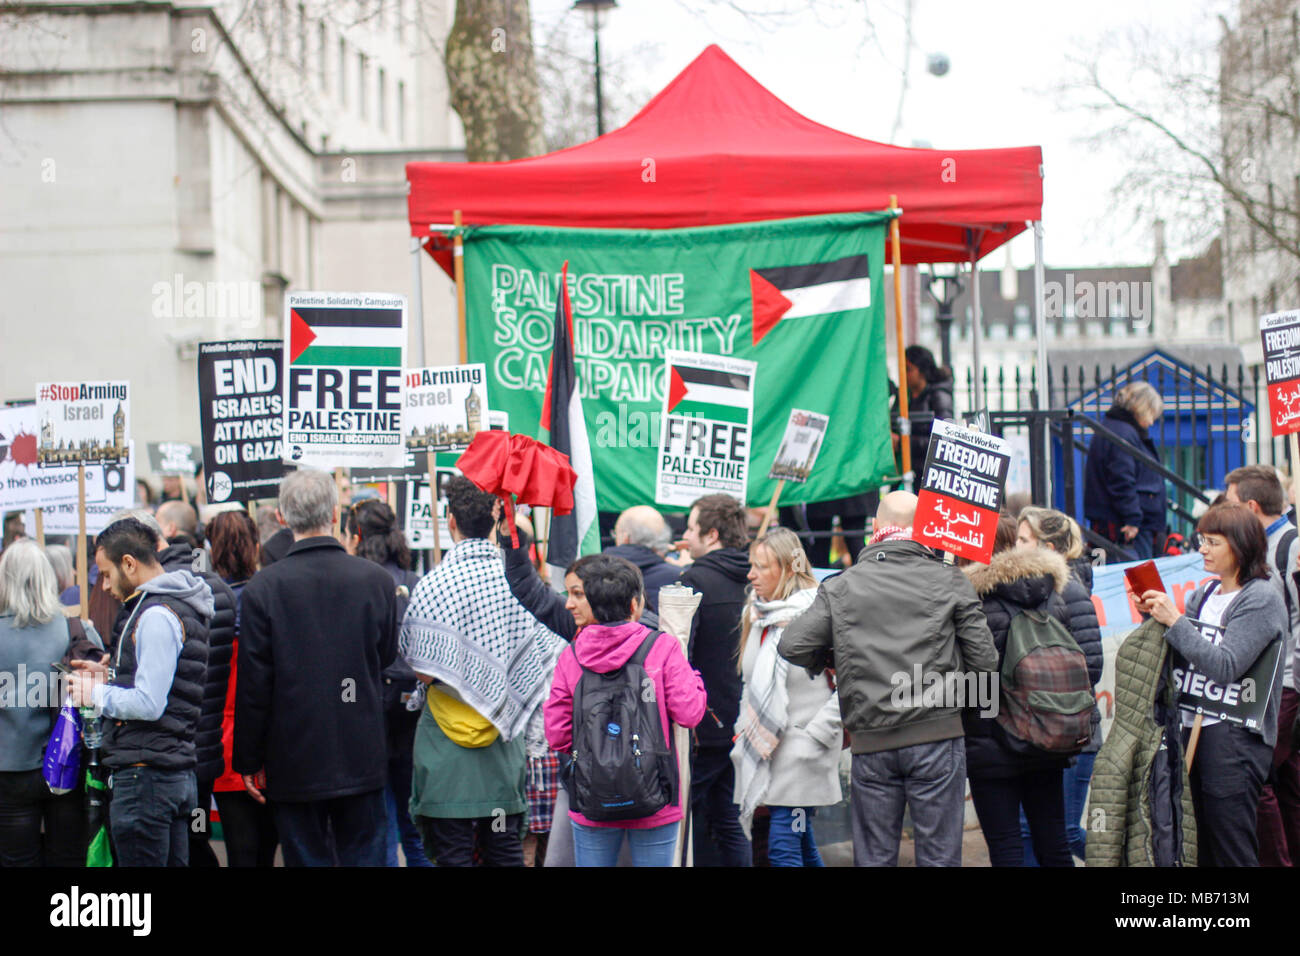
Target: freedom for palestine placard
(961, 493)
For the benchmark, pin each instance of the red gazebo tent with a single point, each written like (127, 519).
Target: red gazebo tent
(715, 146)
(723, 149)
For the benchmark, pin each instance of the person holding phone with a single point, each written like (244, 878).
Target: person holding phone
(1228, 626)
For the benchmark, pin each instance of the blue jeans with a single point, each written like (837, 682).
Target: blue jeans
(400, 828)
(337, 831)
(790, 840)
(149, 816)
(1076, 792)
(930, 780)
(599, 846)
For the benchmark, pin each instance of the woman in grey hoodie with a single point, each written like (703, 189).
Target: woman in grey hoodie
(1232, 637)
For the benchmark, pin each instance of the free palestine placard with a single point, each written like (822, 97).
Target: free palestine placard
(343, 361)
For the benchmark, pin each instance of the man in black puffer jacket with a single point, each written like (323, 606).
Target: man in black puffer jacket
(152, 699)
(1002, 779)
(210, 763)
(718, 542)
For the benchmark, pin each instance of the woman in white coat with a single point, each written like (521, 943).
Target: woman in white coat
(788, 737)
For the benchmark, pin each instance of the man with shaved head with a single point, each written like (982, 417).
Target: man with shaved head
(899, 616)
(642, 536)
(179, 522)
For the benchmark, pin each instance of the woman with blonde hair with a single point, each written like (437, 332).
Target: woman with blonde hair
(788, 737)
(33, 633)
(1056, 531)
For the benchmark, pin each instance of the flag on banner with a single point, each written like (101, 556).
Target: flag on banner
(797, 292)
(800, 298)
(348, 337)
(708, 393)
(578, 532)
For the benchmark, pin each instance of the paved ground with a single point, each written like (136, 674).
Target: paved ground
(974, 851)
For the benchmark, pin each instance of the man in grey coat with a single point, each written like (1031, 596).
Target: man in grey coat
(907, 637)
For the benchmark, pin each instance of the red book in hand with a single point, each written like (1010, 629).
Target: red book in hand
(1143, 578)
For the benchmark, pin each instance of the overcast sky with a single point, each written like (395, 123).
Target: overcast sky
(842, 66)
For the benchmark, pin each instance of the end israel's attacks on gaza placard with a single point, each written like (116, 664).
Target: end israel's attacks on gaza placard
(706, 426)
(799, 297)
(343, 359)
(241, 414)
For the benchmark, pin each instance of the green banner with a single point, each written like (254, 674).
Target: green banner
(801, 297)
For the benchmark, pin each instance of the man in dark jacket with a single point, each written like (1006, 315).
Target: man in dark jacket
(895, 625)
(210, 762)
(152, 699)
(318, 628)
(641, 536)
(1123, 498)
(718, 541)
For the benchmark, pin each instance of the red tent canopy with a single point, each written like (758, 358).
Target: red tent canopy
(725, 150)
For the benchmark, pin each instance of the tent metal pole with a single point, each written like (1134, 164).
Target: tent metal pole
(1040, 325)
(976, 326)
(417, 298)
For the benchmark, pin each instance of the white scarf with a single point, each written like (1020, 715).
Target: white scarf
(464, 628)
(765, 702)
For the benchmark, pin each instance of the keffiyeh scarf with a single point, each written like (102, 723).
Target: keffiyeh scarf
(463, 627)
(764, 703)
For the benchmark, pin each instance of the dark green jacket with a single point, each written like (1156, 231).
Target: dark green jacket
(898, 612)
(1140, 804)
(451, 781)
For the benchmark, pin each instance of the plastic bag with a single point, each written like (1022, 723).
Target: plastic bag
(62, 766)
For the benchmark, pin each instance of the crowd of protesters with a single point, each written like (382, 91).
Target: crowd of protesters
(294, 670)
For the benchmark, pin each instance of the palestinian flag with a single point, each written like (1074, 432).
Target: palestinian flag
(578, 532)
(708, 393)
(346, 337)
(799, 292)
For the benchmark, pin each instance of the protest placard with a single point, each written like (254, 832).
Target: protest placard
(799, 446)
(241, 415)
(22, 484)
(419, 513)
(173, 458)
(343, 361)
(1242, 702)
(961, 493)
(119, 495)
(1280, 332)
(707, 421)
(445, 407)
(83, 423)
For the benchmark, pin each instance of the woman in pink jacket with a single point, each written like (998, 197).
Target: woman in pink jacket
(609, 592)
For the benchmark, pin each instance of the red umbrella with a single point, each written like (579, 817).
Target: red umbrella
(515, 465)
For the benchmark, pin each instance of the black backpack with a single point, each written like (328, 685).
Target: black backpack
(621, 768)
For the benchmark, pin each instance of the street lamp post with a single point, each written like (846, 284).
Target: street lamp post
(944, 290)
(593, 9)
